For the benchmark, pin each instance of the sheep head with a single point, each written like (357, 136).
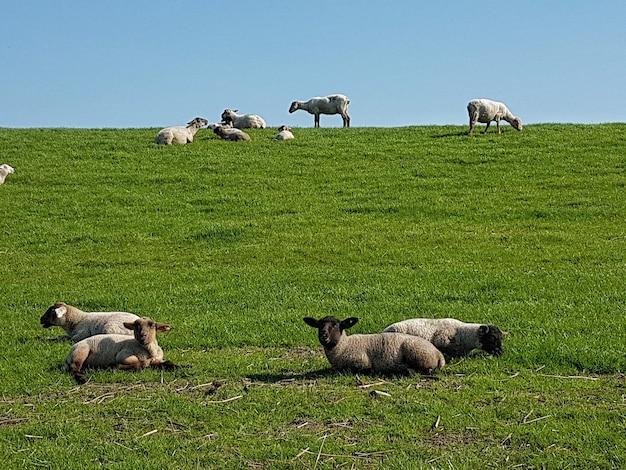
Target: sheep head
(228, 115)
(491, 338)
(54, 313)
(517, 124)
(145, 329)
(329, 329)
(197, 122)
(294, 107)
(8, 169)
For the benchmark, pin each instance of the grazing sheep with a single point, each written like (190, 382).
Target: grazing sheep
(120, 350)
(243, 121)
(333, 104)
(378, 353)
(284, 133)
(80, 325)
(180, 134)
(486, 111)
(4, 171)
(453, 337)
(227, 132)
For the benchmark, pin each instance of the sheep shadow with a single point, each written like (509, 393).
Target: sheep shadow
(451, 134)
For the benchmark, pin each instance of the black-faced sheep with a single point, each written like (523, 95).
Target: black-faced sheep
(180, 134)
(227, 132)
(453, 337)
(80, 325)
(333, 104)
(243, 121)
(376, 353)
(485, 111)
(4, 171)
(120, 351)
(284, 133)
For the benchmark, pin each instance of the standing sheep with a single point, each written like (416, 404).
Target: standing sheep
(180, 134)
(453, 337)
(485, 111)
(80, 325)
(243, 121)
(4, 171)
(378, 353)
(333, 104)
(226, 132)
(122, 351)
(284, 133)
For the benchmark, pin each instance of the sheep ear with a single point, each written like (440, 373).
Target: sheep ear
(310, 321)
(60, 311)
(483, 330)
(349, 323)
(129, 325)
(163, 327)
(235, 110)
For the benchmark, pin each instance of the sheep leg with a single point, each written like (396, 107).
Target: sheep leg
(498, 124)
(317, 120)
(346, 120)
(487, 127)
(76, 361)
(164, 365)
(130, 362)
(472, 125)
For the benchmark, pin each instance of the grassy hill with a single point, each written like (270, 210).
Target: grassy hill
(233, 243)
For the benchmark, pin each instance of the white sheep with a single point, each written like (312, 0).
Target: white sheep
(284, 133)
(485, 111)
(4, 171)
(227, 132)
(80, 325)
(451, 336)
(243, 121)
(180, 134)
(122, 351)
(378, 353)
(333, 104)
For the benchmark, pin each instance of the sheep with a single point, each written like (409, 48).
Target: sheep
(453, 337)
(333, 104)
(80, 325)
(4, 171)
(180, 134)
(227, 132)
(284, 133)
(243, 121)
(122, 351)
(378, 353)
(485, 111)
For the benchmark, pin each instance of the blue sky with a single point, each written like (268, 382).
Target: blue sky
(153, 64)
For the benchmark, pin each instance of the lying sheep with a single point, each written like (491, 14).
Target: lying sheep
(453, 337)
(80, 325)
(243, 121)
(120, 350)
(333, 104)
(180, 134)
(378, 353)
(284, 133)
(485, 111)
(4, 171)
(227, 132)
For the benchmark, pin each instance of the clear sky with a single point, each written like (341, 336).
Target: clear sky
(138, 63)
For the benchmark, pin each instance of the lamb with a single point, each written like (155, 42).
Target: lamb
(333, 104)
(378, 353)
(485, 111)
(243, 121)
(80, 325)
(227, 132)
(180, 134)
(120, 350)
(284, 133)
(4, 171)
(453, 337)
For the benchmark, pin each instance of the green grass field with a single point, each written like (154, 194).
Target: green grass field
(233, 243)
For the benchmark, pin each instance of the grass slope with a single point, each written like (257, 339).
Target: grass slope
(233, 243)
